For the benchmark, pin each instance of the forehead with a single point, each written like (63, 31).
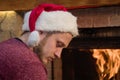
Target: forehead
(63, 37)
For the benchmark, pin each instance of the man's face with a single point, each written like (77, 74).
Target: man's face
(51, 47)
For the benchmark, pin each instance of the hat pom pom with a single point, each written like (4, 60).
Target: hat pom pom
(33, 39)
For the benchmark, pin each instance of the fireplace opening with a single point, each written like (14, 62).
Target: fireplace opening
(78, 62)
(78, 65)
(83, 64)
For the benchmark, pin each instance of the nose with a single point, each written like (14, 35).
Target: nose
(58, 52)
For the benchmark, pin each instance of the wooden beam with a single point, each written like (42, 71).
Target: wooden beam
(90, 38)
(30, 4)
(17, 4)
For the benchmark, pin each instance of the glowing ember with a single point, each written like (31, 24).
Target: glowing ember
(108, 62)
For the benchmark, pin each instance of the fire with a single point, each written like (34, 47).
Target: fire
(108, 62)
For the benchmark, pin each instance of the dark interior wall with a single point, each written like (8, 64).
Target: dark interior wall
(79, 65)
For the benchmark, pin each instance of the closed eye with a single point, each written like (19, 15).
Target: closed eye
(60, 44)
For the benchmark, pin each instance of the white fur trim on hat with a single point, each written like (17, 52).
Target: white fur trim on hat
(25, 26)
(62, 21)
(34, 39)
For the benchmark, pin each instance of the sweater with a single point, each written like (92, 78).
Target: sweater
(18, 62)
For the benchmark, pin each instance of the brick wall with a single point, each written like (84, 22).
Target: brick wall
(98, 17)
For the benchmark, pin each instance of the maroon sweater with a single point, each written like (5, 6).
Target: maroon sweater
(18, 62)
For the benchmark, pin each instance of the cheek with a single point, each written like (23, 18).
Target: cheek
(49, 48)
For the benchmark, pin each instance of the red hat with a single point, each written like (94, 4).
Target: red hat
(49, 17)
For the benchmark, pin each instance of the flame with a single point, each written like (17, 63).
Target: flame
(108, 62)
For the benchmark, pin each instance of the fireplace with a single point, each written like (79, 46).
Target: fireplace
(78, 62)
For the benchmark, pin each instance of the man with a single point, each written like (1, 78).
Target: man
(48, 29)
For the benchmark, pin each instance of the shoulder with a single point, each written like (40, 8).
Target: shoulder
(32, 71)
(20, 63)
(23, 71)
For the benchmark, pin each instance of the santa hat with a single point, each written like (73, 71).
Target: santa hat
(48, 17)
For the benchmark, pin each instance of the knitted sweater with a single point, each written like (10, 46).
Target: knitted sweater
(18, 62)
